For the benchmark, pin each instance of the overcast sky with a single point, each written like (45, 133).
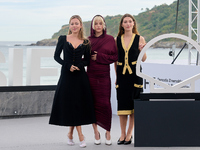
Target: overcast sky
(34, 20)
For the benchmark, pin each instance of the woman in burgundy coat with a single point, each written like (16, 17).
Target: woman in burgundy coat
(104, 52)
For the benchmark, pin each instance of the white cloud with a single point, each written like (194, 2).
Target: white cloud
(46, 17)
(16, 1)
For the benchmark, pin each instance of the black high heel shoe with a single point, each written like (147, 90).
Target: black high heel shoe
(128, 142)
(120, 142)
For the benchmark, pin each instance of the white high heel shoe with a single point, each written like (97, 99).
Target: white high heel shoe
(82, 143)
(108, 142)
(97, 142)
(70, 141)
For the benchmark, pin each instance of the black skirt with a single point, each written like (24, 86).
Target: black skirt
(129, 87)
(73, 104)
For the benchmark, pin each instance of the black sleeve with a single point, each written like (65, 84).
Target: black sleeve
(59, 48)
(86, 60)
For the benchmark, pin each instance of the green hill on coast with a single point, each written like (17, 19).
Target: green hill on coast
(150, 23)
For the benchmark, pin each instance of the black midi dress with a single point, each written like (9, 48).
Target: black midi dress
(128, 84)
(73, 104)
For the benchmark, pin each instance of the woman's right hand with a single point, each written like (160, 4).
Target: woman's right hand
(73, 68)
(94, 56)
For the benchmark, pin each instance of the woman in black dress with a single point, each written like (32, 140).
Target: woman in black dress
(128, 84)
(73, 104)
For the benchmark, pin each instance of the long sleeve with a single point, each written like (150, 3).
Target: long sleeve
(108, 58)
(86, 60)
(59, 48)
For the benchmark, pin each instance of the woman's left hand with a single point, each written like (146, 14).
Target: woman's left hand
(141, 46)
(94, 56)
(76, 68)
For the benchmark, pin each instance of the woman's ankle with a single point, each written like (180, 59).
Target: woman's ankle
(108, 136)
(81, 137)
(70, 135)
(122, 137)
(128, 137)
(97, 135)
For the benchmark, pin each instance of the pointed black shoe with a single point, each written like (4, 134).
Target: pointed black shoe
(120, 142)
(128, 142)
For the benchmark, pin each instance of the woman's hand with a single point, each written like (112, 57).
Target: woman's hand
(141, 46)
(94, 56)
(74, 68)
(142, 43)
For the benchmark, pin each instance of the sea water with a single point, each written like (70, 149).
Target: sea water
(154, 55)
(46, 62)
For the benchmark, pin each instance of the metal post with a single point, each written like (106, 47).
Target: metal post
(198, 31)
(198, 22)
(189, 30)
(194, 20)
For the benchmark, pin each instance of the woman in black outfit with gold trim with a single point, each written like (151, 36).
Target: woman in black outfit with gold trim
(128, 84)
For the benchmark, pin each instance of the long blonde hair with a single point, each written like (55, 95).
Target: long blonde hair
(81, 32)
(121, 29)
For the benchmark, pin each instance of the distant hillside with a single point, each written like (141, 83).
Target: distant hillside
(151, 23)
(112, 23)
(161, 19)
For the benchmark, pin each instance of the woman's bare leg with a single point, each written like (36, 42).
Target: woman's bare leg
(130, 128)
(96, 132)
(80, 134)
(108, 136)
(70, 133)
(123, 122)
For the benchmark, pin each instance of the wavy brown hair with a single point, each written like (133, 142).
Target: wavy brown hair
(121, 29)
